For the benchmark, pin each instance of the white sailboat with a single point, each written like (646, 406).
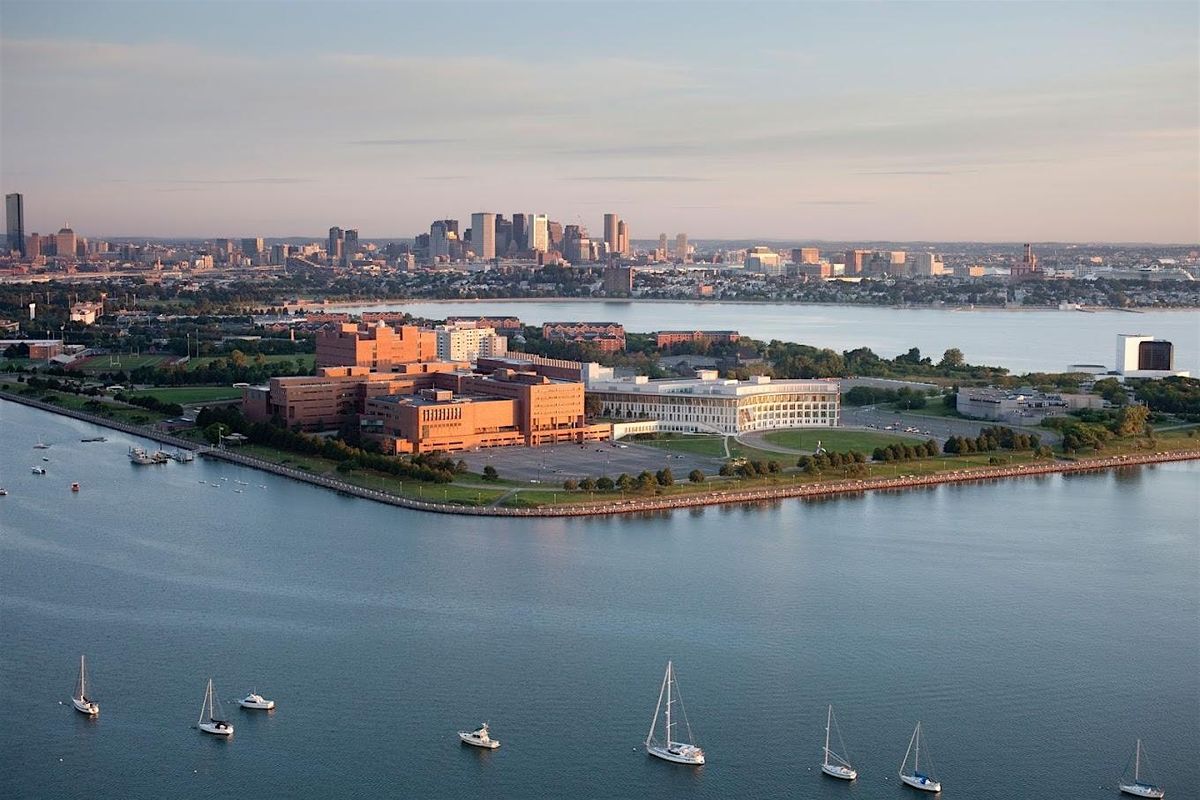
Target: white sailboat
(479, 738)
(669, 749)
(83, 704)
(1140, 788)
(917, 779)
(834, 765)
(211, 719)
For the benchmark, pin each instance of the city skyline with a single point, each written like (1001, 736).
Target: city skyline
(1061, 122)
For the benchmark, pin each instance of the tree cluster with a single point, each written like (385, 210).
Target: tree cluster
(905, 452)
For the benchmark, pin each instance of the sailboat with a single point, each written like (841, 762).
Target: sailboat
(1140, 788)
(211, 719)
(917, 779)
(671, 750)
(83, 704)
(834, 765)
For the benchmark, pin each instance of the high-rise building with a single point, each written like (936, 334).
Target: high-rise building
(520, 232)
(504, 230)
(554, 234)
(253, 248)
(622, 238)
(337, 243)
(65, 243)
(1027, 267)
(443, 236)
(855, 260)
(764, 260)
(926, 265)
(611, 221)
(33, 245)
(681, 247)
(662, 246)
(539, 233)
(806, 255)
(483, 234)
(576, 246)
(14, 214)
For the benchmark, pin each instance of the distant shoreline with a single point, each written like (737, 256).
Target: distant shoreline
(632, 506)
(341, 304)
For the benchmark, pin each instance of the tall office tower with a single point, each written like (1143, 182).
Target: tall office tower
(554, 235)
(681, 247)
(611, 221)
(337, 243)
(483, 234)
(349, 245)
(14, 213)
(64, 243)
(252, 248)
(539, 233)
(622, 238)
(520, 232)
(439, 239)
(33, 245)
(504, 230)
(806, 255)
(855, 260)
(662, 245)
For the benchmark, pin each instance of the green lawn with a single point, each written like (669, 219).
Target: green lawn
(680, 443)
(935, 409)
(840, 440)
(185, 395)
(308, 359)
(116, 363)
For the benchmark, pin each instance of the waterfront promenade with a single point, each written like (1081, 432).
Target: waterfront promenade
(633, 505)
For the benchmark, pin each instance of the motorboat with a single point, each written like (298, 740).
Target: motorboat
(160, 456)
(1139, 787)
(184, 456)
(75, 487)
(479, 738)
(833, 765)
(83, 704)
(38, 470)
(94, 439)
(256, 701)
(686, 752)
(916, 778)
(41, 445)
(211, 719)
(139, 456)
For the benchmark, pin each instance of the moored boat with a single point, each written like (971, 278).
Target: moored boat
(834, 765)
(256, 702)
(669, 749)
(211, 719)
(83, 704)
(139, 456)
(1138, 787)
(918, 779)
(479, 738)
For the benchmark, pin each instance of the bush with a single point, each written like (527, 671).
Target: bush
(696, 476)
(606, 484)
(570, 484)
(490, 473)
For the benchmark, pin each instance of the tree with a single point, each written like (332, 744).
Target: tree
(624, 482)
(952, 358)
(490, 473)
(1111, 390)
(645, 480)
(726, 469)
(696, 476)
(1131, 420)
(587, 485)
(592, 405)
(215, 431)
(664, 477)
(605, 483)
(570, 484)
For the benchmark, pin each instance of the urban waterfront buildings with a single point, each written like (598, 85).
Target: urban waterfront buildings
(709, 404)
(377, 347)
(1141, 356)
(483, 235)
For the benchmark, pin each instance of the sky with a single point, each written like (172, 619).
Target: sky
(944, 121)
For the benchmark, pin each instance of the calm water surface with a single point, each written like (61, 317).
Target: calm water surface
(1036, 627)
(1023, 341)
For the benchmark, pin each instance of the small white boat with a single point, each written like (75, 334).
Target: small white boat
(139, 456)
(41, 445)
(256, 701)
(38, 470)
(3, 492)
(83, 704)
(669, 749)
(918, 779)
(834, 765)
(211, 719)
(479, 738)
(1139, 787)
(184, 456)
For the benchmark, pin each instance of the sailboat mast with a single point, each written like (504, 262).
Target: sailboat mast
(828, 719)
(82, 679)
(654, 722)
(917, 757)
(1137, 762)
(670, 678)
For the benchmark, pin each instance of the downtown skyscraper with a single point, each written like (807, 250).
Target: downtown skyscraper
(14, 214)
(483, 234)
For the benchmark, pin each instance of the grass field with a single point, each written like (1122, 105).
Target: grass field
(697, 445)
(116, 363)
(186, 395)
(934, 409)
(835, 439)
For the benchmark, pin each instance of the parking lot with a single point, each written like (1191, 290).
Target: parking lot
(553, 464)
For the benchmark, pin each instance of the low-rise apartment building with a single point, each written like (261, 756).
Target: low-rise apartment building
(708, 404)
(664, 339)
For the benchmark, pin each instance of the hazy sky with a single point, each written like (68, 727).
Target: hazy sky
(949, 120)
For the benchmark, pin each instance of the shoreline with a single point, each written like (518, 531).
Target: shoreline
(630, 506)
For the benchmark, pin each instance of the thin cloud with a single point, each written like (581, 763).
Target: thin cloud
(409, 142)
(917, 172)
(833, 202)
(643, 179)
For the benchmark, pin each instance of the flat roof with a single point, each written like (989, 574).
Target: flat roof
(698, 387)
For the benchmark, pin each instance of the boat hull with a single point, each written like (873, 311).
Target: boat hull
(255, 705)
(692, 757)
(921, 784)
(85, 707)
(1138, 790)
(490, 744)
(223, 729)
(842, 773)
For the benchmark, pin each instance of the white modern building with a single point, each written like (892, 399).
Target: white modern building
(466, 342)
(539, 233)
(1140, 356)
(708, 404)
(764, 260)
